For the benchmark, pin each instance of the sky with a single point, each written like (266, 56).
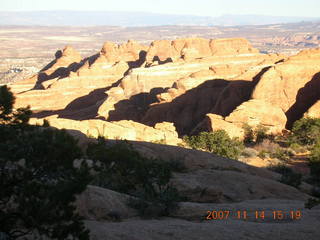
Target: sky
(302, 8)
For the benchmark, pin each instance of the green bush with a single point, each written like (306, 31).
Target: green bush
(282, 154)
(305, 131)
(121, 168)
(314, 163)
(217, 142)
(263, 154)
(260, 133)
(248, 133)
(297, 148)
(38, 179)
(249, 153)
(164, 203)
(315, 153)
(254, 135)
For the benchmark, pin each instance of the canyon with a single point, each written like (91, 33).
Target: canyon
(152, 96)
(187, 85)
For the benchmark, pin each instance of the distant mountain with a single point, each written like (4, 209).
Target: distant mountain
(130, 19)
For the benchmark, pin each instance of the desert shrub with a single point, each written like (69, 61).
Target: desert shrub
(46, 123)
(297, 148)
(254, 135)
(305, 131)
(249, 152)
(38, 180)
(314, 163)
(123, 169)
(288, 176)
(163, 203)
(263, 154)
(248, 133)
(260, 133)
(267, 145)
(282, 154)
(217, 142)
(315, 152)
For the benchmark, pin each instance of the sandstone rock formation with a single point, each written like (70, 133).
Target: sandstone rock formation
(172, 88)
(65, 61)
(124, 130)
(188, 82)
(129, 52)
(253, 112)
(292, 85)
(189, 49)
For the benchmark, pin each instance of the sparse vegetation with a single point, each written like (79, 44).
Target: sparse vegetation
(217, 142)
(249, 152)
(254, 135)
(263, 154)
(248, 133)
(298, 148)
(38, 180)
(123, 169)
(260, 133)
(281, 154)
(305, 131)
(314, 163)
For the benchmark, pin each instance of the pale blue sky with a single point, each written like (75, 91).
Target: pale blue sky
(306, 8)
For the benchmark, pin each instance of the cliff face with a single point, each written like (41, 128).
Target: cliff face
(196, 84)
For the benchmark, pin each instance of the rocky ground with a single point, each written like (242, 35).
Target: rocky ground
(157, 93)
(212, 183)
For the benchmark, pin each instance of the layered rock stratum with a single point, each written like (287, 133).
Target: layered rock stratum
(158, 93)
(196, 84)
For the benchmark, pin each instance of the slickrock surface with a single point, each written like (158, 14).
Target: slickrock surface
(211, 183)
(164, 91)
(175, 228)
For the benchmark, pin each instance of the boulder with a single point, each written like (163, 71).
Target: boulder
(101, 204)
(257, 112)
(216, 122)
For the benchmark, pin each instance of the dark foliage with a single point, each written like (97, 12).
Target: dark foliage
(217, 142)
(38, 181)
(305, 131)
(123, 169)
